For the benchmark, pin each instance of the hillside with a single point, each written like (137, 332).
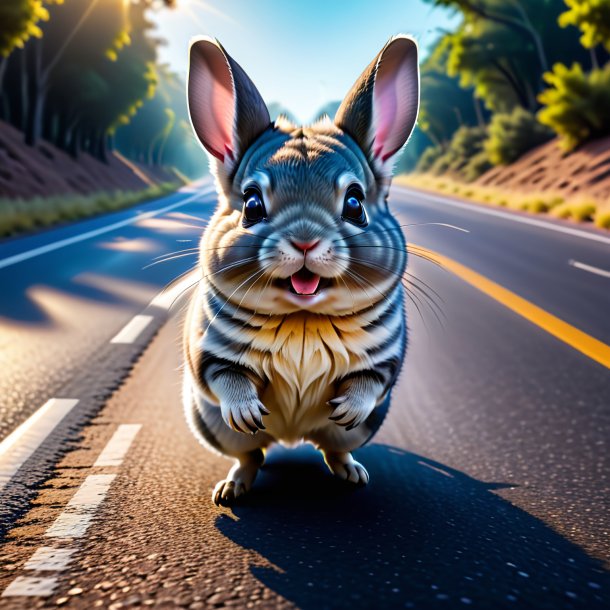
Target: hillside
(44, 170)
(585, 171)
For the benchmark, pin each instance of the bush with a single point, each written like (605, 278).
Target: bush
(512, 134)
(19, 215)
(464, 157)
(476, 166)
(428, 158)
(577, 105)
(602, 219)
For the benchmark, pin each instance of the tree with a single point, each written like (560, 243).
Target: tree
(160, 133)
(576, 105)
(502, 48)
(445, 105)
(19, 20)
(592, 17)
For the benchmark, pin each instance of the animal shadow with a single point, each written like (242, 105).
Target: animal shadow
(420, 535)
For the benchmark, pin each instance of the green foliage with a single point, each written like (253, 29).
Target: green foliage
(93, 71)
(592, 17)
(19, 19)
(444, 106)
(502, 48)
(476, 166)
(160, 132)
(19, 216)
(576, 105)
(464, 157)
(411, 155)
(429, 158)
(513, 134)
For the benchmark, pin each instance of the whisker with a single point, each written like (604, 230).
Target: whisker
(351, 293)
(189, 287)
(255, 312)
(411, 298)
(430, 302)
(250, 288)
(169, 258)
(402, 226)
(374, 287)
(195, 249)
(363, 286)
(416, 279)
(257, 272)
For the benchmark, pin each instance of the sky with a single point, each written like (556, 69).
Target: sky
(300, 53)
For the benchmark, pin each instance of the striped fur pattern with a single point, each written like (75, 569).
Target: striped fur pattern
(264, 364)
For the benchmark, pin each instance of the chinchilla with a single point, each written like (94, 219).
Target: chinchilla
(296, 331)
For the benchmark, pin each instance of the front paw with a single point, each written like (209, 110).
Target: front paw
(350, 410)
(244, 416)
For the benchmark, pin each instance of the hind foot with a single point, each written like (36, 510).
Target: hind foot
(344, 466)
(239, 480)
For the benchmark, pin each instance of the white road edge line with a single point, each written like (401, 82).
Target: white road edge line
(132, 329)
(20, 444)
(62, 243)
(589, 268)
(514, 217)
(118, 446)
(74, 520)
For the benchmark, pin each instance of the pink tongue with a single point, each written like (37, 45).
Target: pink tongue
(305, 285)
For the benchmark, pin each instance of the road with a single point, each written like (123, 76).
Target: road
(489, 479)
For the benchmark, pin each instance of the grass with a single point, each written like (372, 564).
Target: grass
(25, 215)
(577, 208)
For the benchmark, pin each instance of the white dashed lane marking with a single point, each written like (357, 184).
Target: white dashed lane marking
(18, 446)
(31, 586)
(132, 329)
(73, 521)
(47, 558)
(118, 445)
(76, 518)
(590, 268)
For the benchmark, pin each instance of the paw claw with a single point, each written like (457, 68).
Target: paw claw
(344, 467)
(350, 411)
(245, 417)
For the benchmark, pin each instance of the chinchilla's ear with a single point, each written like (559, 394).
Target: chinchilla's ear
(226, 110)
(380, 110)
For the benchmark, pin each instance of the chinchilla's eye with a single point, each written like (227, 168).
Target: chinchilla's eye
(254, 208)
(353, 210)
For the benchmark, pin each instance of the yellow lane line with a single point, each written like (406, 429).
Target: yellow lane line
(588, 345)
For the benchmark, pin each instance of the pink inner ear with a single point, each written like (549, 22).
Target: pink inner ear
(395, 101)
(386, 115)
(212, 99)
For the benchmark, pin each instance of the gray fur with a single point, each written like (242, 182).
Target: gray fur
(264, 365)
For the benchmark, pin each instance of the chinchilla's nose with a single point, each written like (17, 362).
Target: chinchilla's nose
(304, 246)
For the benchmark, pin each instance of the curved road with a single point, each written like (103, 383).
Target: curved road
(489, 479)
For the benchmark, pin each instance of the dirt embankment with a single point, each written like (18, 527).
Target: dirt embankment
(45, 170)
(585, 171)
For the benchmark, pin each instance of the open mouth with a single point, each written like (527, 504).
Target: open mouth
(304, 283)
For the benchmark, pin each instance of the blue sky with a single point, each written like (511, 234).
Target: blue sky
(299, 53)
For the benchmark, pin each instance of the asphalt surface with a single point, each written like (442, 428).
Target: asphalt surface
(58, 308)
(489, 479)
